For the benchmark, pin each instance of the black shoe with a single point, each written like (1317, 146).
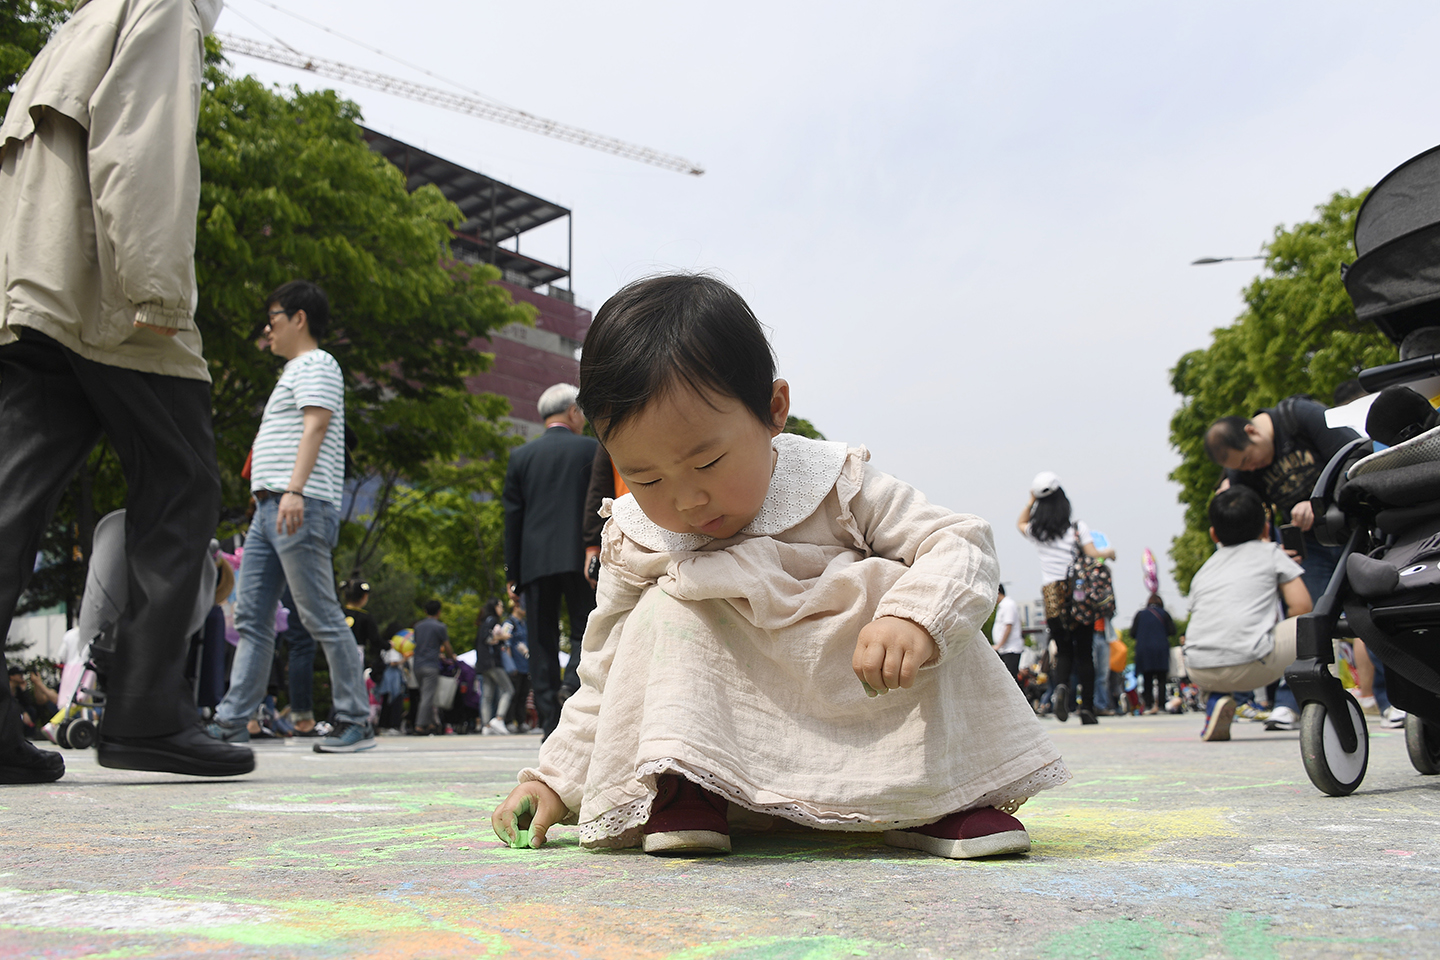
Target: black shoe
(191, 752)
(26, 763)
(1088, 716)
(1060, 702)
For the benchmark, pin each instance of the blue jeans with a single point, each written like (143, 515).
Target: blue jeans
(303, 560)
(300, 675)
(1100, 651)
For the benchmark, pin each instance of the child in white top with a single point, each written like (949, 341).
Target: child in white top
(758, 591)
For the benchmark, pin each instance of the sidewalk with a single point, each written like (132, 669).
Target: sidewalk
(1161, 847)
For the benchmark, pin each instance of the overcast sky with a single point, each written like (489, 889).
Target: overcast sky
(968, 225)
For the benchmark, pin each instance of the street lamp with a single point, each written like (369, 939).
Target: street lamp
(1205, 260)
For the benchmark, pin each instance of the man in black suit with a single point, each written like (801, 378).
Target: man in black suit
(545, 486)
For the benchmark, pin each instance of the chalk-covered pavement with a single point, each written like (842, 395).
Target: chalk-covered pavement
(1161, 847)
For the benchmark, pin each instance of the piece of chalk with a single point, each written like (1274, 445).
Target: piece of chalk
(869, 690)
(522, 839)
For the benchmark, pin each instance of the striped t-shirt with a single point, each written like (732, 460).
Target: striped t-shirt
(312, 379)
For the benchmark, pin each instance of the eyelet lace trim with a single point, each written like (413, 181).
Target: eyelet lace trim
(805, 473)
(623, 826)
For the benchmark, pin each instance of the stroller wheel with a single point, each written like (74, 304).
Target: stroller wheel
(1330, 768)
(81, 734)
(1422, 742)
(62, 735)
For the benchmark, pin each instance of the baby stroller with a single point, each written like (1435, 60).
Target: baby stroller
(1383, 507)
(81, 703)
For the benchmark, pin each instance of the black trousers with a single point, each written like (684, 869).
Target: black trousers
(542, 608)
(1074, 648)
(1012, 663)
(1152, 688)
(54, 405)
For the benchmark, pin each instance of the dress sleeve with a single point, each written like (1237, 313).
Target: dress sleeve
(564, 762)
(950, 587)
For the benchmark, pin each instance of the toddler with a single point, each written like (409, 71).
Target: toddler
(759, 592)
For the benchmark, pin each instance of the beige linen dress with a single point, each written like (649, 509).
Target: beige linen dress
(730, 662)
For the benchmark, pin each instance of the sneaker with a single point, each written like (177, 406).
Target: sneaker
(321, 729)
(1248, 711)
(1368, 706)
(227, 732)
(985, 832)
(347, 738)
(1217, 721)
(1393, 719)
(1060, 702)
(1088, 716)
(1282, 718)
(193, 752)
(497, 726)
(686, 819)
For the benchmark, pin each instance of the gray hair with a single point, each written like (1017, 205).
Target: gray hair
(557, 399)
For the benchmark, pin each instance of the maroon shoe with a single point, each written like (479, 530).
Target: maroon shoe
(686, 819)
(985, 832)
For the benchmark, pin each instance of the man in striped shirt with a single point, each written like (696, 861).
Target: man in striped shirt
(297, 475)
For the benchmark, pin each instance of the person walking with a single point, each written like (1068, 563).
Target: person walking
(544, 497)
(1046, 522)
(1152, 629)
(297, 473)
(432, 642)
(99, 189)
(1005, 633)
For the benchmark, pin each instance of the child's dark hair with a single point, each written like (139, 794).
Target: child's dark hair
(1237, 515)
(669, 331)
(304, 295)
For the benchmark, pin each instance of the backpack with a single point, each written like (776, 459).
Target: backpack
(1092, 595)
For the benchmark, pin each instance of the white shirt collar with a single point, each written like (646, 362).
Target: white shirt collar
(805, 473)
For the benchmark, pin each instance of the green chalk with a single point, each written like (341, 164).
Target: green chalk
(869, 690)
(522, 840)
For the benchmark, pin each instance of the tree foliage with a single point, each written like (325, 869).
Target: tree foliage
(1298, 333)
(25, 25)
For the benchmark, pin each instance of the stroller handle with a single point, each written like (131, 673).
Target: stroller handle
(1406, 371)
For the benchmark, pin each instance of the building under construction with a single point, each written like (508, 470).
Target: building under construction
(497, 215)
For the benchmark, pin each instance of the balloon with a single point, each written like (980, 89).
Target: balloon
(1152, 572)
(404, 642)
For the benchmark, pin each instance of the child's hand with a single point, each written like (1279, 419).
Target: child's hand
(890, 651)
(531, 808)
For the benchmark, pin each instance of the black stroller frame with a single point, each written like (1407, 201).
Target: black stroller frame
(1394, 283)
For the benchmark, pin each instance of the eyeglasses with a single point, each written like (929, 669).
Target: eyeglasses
(277, 312)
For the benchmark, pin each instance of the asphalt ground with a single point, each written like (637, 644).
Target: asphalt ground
(1161, 847)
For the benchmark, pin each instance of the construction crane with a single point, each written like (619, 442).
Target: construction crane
(453, 101)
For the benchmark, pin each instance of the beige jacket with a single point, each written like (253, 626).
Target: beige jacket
(100, 185)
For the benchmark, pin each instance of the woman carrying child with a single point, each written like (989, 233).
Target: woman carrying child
(758, 592)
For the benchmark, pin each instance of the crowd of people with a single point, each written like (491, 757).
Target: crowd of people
(1267, 570)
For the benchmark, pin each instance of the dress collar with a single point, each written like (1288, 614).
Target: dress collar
(805, 473)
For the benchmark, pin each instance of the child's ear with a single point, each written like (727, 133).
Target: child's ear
(779, 407)
(1212, 535)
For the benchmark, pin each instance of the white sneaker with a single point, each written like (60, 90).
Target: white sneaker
(497, 726)
(1282, 718)
(1393, 719)
(1368, 705)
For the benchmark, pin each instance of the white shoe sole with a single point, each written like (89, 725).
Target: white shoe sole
(687, 841)
(996, 844)
(351, 748)
(1219, 726)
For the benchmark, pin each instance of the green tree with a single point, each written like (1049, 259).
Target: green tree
(802, 427)
(1298, 333)
(25, 25)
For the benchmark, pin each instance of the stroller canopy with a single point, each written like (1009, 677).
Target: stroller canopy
(1395, 280)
